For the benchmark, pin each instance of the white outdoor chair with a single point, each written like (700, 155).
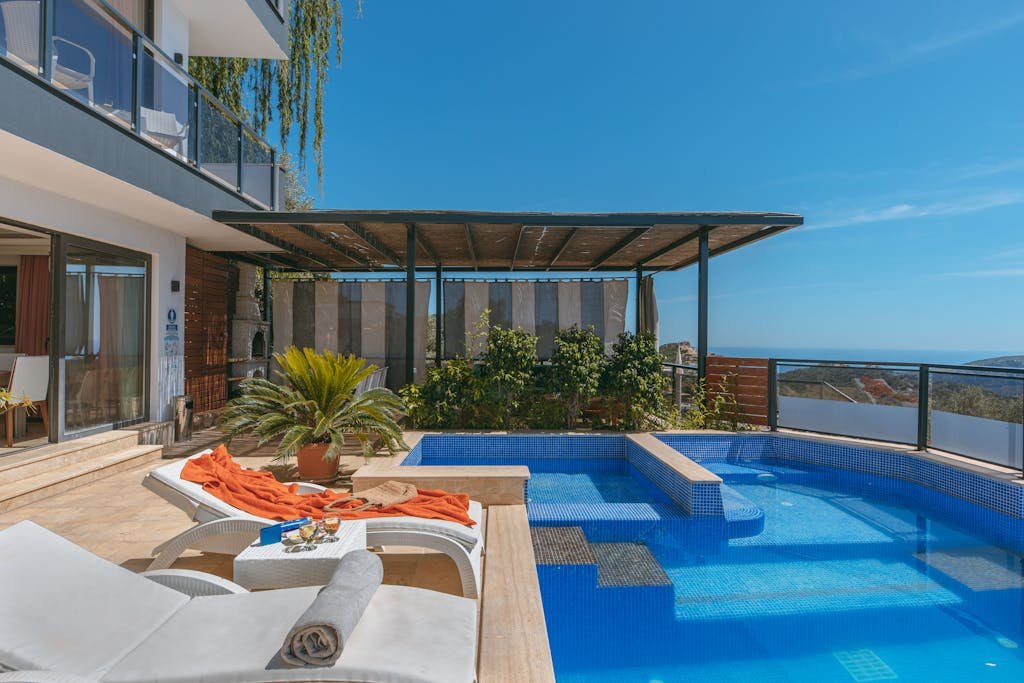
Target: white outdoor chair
(7, 361)
(69, 616)
(221, 528)
(164, 127)
(21, 29)
(30, 378)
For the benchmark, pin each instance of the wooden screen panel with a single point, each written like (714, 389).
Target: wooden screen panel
(206, 329)
(747, 379)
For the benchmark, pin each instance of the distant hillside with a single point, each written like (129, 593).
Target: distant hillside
(1001, 362)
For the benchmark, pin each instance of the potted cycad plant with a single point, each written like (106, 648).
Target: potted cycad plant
(314, 409)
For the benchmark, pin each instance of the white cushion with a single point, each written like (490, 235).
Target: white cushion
(64, 609)
(170, 474)
(406, 635)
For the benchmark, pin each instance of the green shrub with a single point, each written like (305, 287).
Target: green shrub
(720, 412)
(542, 411)
(444, 398)
(507, 367)
(633, 378)
(576, 366)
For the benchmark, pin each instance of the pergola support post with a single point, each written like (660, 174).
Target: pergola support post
(410, 303)
(702, 305)
(438, 315)
(639, 298)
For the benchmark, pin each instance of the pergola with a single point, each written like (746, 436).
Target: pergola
(644, 244)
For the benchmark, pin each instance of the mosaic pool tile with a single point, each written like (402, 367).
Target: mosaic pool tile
(562, 545)
(628, 564)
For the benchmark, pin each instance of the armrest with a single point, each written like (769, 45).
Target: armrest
(43, 677)
(192, 583)
(88, 53)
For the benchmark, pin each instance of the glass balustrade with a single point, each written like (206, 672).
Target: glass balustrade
(96, 57)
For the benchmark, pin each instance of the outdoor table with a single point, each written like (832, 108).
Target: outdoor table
(268, 567)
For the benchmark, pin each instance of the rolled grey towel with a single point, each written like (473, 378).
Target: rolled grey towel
(319, 635)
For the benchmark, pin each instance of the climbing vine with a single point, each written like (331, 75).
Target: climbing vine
(292, 91)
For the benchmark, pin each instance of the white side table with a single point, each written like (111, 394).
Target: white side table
(266, 567)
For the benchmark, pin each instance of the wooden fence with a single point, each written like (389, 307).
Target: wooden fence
(742, 379)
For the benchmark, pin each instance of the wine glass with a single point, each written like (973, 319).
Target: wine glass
(331, 525)
(308, 533)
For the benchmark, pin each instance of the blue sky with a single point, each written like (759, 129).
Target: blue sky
(896, 128)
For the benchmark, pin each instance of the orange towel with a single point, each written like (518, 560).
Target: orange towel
(260, 494)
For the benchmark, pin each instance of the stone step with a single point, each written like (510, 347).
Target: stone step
(51, 457)
(24, 491)
(561, 545)
(628, 565)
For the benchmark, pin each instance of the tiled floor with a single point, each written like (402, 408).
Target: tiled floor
(121, 521)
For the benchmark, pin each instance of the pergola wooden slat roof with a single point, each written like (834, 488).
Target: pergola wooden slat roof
(343, 240)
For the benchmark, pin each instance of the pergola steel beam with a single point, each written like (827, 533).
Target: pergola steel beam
(668, 249)
(425, 246)
(561, 249)
(471, 245)
(619, 246)
(515, 252)
(410, 303)
(702, 305)
(530, 219)
(735, 244)
(368, 238)
(315, 234)
(282, 244)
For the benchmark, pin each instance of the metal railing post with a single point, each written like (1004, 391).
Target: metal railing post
(46, 40)
(922, 407)
(137, 52)
(773, 395)
(194, 123)
(241, 136)
(273, 180)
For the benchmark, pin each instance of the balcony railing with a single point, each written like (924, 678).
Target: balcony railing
(968, 410)
(86, 51)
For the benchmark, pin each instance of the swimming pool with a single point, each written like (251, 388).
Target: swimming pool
(822, 566)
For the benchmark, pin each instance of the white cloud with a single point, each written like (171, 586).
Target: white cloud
(905, 211)
(991, 272)
(924, 50)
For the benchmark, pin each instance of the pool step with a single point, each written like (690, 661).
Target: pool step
(628, 565)
(612, 565)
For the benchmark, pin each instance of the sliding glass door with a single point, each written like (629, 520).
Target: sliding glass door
(103, 317)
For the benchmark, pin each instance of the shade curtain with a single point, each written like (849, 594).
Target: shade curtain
(365, 318)
(541, 308)
(32, 314)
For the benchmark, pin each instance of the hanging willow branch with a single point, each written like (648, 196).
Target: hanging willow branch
(258, 90)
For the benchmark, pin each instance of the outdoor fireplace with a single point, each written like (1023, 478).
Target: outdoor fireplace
(249, 343)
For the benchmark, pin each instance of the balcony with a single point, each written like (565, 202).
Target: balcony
(87, 53)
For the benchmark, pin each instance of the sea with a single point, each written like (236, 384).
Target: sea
(948, 356)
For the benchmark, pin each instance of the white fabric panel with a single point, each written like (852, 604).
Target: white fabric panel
(568, 305)
(373, 312)
(326, 315)
(650, 308)
(616, 295)
(523, 307)
(281, 309)
(476, 303)
(420, 339)
(281, 293)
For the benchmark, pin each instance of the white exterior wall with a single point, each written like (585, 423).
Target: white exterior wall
(44, 209)
(885, 423)
(170, 29)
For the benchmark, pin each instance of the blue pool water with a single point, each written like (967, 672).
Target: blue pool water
(845, 578)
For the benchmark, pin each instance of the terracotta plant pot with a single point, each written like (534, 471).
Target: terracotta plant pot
(312, 465)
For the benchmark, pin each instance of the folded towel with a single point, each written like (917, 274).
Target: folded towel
(319, 635)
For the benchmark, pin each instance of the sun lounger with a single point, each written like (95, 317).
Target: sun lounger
(67, 615)
(222, 528)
